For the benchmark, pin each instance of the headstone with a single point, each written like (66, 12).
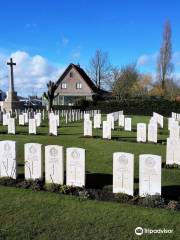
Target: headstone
(86, 116)
(11, 126)
(38, 119)
(110, 118)
(54, 167)
(97, 120)
(33, 161)
(173, 151)
(123, 173)
(8, 164)
(149, 174)
(75, 167)
(53, 126)
(21, 120)
(106, 130)
(32, 126)
(25, 117)
(141, 132)
(121, 120)
(174, 131)
(152, 132)
(88, 128)
(127, 124)
(5, 119)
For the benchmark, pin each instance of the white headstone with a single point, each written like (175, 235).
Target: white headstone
(121, 120)
(110, 118)
(8, 164)
(75, 167)
(149, 174)
(173, 151)
(123, 173)
(127, 124)
(141, 132)
(53, 126)
(32, 126)
(174, 131)
(54, 166)
(106, 130)
(152, 132)
(87, 128)
(97, 120)
(11, 126)
(33, 161)
(86, 116)
(21, 120)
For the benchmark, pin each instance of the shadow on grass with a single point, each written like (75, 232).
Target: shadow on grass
(98, 180)
(171, 192)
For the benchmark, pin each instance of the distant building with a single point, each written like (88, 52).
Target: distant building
(75, 84)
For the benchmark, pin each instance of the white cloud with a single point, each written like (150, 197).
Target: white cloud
(147, 59)
(31, 73)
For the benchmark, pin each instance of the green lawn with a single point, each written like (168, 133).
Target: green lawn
(40, 215)
(25, 214)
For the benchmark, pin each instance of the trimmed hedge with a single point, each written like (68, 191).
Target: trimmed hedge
(139, 107)
(130, 106)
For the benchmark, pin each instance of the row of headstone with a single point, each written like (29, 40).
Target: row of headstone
(123, 167)
(54, 163)
(142, 136)
(176, 116)
(149, 174)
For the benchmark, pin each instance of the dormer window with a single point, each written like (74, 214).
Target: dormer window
(78, 85)
(71, 74)
(63, 85)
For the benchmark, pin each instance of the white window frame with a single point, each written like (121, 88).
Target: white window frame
(78, 85)
(63, 85)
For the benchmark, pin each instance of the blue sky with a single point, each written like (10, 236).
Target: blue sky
(55, 33)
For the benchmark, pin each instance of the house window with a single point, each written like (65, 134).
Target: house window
(78, 85)
(71, 74)
(64, 85)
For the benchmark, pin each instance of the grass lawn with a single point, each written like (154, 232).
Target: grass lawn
(25, 214)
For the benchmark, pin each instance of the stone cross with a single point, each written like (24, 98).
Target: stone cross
(11, 82)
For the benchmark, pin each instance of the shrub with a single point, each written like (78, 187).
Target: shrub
(83, 194)
(52, 187)
(24, 184)
(37, 185)
(152, 201)
(172, 165)
(122, 197)
(8, 181)
(64, 189)
(173, 205)
(102, 195)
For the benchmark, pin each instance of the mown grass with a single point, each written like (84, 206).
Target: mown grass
(40, 215)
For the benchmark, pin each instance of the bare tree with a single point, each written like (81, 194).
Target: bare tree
(99, 68)
(125, 80)
(164, 64)
(50, 94)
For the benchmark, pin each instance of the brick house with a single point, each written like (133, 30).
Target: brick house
(74, 84)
